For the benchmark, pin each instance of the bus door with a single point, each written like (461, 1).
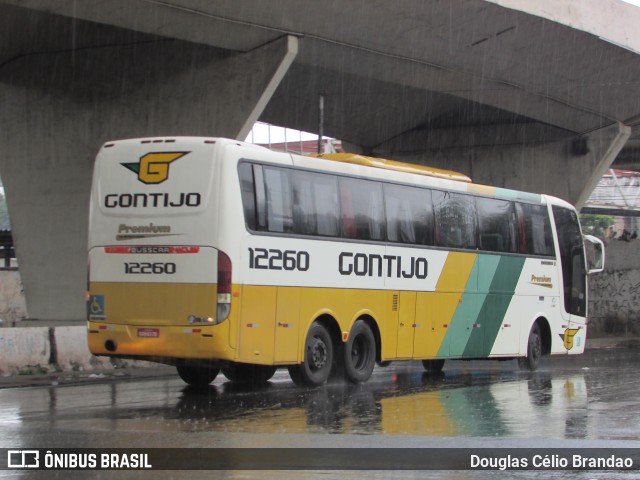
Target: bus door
(573, 270)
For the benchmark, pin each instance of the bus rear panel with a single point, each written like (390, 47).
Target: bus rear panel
(158, 288)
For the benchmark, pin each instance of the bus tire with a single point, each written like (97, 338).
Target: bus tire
(359, 353)
(534, 350)
(433, 367)
(318, 357)
(197, 376)
(249, 374)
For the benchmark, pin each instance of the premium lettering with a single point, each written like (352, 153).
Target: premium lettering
(151, 228)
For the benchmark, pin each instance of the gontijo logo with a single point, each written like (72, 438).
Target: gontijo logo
(153, 168)
(568, 337)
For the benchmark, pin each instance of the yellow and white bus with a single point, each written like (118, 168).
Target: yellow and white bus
(210, 254)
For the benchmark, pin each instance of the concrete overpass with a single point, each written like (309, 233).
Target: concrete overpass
(537, 95)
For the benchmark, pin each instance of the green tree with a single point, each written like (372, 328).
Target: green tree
(595, 225)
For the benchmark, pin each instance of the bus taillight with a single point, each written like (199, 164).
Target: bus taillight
(224, 287)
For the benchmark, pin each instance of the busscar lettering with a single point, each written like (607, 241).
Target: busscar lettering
(152, 200)
(152, 249)
(390, 266)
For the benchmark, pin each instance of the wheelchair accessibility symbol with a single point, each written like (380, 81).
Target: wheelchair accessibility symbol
(95, 307)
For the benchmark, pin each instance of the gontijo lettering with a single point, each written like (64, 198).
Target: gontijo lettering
(151, 200)
(373, 265)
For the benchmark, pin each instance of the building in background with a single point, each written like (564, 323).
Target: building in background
(617, 195)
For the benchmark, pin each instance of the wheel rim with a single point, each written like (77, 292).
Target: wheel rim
(318, 354)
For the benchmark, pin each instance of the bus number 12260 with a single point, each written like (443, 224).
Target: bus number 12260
(275, 259)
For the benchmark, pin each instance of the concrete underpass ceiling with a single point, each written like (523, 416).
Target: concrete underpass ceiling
(398, 77)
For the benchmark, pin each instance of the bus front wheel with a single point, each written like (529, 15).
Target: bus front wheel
(359, 353)
(197, 376)
(534, 350)
(318, 358)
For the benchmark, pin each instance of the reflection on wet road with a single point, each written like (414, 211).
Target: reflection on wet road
(588, 398)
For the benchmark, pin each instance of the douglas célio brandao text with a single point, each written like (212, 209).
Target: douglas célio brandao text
(550, 462)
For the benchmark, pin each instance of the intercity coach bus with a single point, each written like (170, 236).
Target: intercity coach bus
(212, 254)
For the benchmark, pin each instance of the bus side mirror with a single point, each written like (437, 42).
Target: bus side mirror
(595, 254)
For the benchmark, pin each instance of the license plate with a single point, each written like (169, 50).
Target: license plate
(149, 332)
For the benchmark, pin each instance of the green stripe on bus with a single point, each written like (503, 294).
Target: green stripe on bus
(494, 308)
(468, 311)
(487, 272)
(478, 318)
(456, 331)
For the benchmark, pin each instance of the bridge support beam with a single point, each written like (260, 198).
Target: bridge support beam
(58, 108)
(568, 167)
(608, 155)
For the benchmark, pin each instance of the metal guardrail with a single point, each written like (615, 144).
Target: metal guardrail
(613, 211)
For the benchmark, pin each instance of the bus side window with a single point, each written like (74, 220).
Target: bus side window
(261, 198)
(534, 229)
(315, 204)
(496, 224)
(409, 214)
(362, 209)
(455, 218)
(245, 172)
(278, 199)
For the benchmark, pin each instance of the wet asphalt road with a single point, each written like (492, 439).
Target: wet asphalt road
(572, 402)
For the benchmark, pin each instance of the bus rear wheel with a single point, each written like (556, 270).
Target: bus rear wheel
(318, 358)
(249, 374)
(197, 376)
(534, 350)
(359, 353)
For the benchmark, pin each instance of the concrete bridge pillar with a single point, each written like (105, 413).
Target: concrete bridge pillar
(58, 108)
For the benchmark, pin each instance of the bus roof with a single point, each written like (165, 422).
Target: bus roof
(393, 165)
